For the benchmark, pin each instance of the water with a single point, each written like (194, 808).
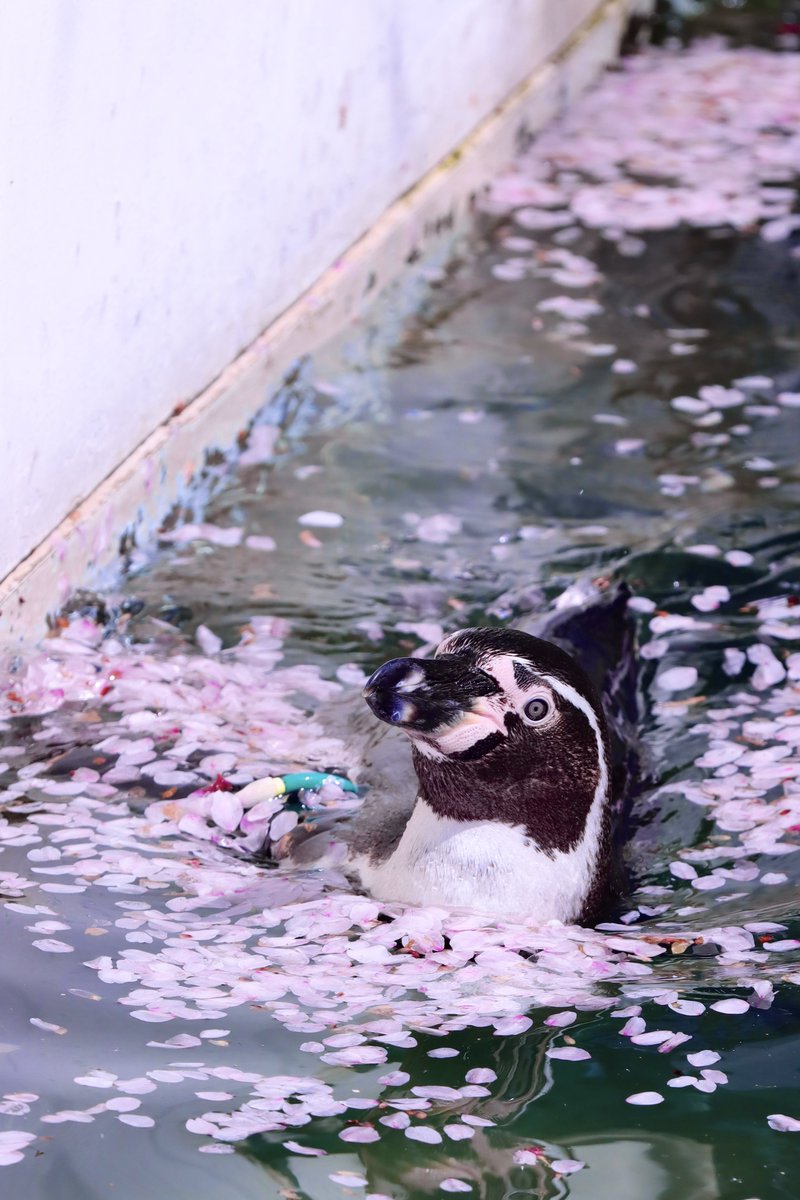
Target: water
(548, 465)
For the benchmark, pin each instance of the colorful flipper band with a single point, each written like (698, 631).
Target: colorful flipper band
(299, 781)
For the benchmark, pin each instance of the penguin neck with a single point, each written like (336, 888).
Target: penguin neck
(555, 787)
(553, 811)
(484, 866)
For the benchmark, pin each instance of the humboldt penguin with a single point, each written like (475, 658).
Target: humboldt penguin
(523, 748)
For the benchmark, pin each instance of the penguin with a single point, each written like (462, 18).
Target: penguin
(523, 755)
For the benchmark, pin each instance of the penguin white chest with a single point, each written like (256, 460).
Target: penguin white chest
(489, 866)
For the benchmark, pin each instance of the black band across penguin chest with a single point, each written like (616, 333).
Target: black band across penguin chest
(545, 781)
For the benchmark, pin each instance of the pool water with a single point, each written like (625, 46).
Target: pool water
(604, 383)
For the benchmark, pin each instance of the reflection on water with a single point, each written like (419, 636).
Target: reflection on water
(638, 1165)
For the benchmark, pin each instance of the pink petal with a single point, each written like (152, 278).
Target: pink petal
(645, 1098)
(434, 1092)
(703, 1058)
(652, 1037)
(509, 1026)
(360, 1133)
(459, 1133)
(423, 1133)
(783, 1124)
(567, 1166)
(731, 1007)
(226, 810)
(398, 1120)
(559, 1019)
(481, 1075)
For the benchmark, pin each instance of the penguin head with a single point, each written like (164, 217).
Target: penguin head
(503, 726)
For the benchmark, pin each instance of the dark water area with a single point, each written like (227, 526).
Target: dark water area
(497, 452)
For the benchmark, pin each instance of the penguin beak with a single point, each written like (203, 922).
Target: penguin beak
(426, 695)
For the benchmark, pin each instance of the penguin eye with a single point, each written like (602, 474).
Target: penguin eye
(536, 709)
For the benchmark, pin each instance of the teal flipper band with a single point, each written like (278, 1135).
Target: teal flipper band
(313, 780)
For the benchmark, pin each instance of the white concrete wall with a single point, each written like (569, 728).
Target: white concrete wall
(176, 172)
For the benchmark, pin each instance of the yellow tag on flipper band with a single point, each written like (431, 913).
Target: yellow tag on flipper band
(261, 789)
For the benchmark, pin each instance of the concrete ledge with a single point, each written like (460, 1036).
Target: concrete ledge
(425, 223)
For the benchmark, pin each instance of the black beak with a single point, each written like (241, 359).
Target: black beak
(425, 694)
